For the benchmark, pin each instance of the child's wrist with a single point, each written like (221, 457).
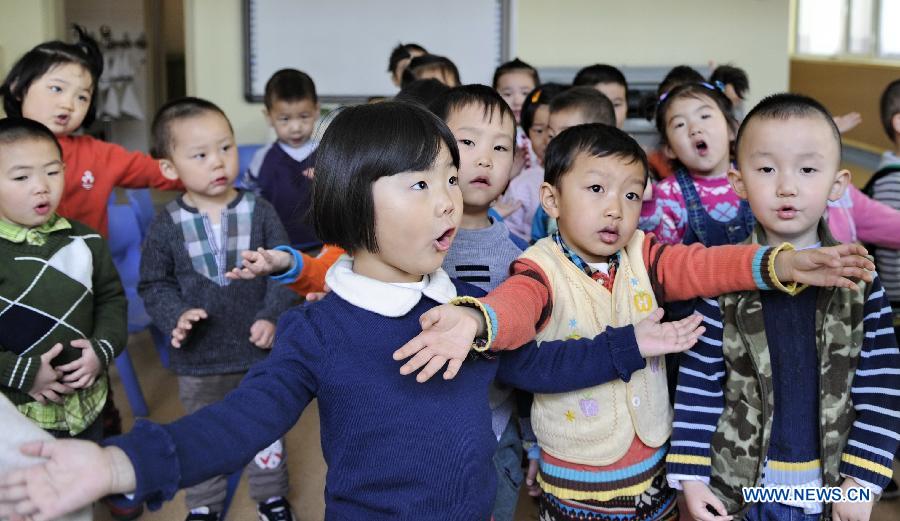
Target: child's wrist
(482, 316)
(780, 263)
(289, 268)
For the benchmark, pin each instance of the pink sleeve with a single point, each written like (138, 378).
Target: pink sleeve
(665, 214)
(876, 223)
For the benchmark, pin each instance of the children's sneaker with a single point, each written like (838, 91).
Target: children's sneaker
(275, 510)
(202, 514)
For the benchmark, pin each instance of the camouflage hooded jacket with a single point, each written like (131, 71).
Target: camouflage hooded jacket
(725, 398)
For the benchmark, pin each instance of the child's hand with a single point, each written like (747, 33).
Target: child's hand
(317, 295)
(260, 263)
(46, 386)
(851, 511)
(185, 324)
(655, 339)
(446, 338)
(506, 206)
(309, 173)
(75, 474)
(83, 372)
(847, 122)
(262, 333)
(531, 482)
(832, 266)
(700, 498)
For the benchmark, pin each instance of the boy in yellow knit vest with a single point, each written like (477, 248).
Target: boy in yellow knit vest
(602, 449)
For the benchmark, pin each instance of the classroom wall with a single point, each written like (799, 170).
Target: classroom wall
(24, 25)
(559, 33)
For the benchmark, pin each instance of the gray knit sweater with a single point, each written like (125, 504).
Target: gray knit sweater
(482, 257)
(171, 284)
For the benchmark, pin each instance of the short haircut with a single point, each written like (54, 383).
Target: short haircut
(515, 65)
(786, 106)
(402, 52)
(361, 145)
(599, 73)
(290, 85)
(890, 106)
(589, 102)
(594, 139)
(426, 63)
(177, 110)
(15, 129)
(696, 91)
(730, 75)
(423, 92)
(482, 96)
(541, 95)
(44, 57)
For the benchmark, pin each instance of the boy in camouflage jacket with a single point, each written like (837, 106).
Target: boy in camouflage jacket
(788, 390)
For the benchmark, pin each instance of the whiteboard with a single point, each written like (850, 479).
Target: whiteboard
(344, 45)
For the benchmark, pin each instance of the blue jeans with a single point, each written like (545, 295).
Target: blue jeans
(777, 512)
(508, 464)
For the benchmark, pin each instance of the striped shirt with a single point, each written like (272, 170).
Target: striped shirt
(873, 439)
(887, 190)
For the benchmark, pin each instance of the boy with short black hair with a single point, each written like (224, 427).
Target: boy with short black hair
(793, 390)
(282, 172)
(610, 82)
(219, 327)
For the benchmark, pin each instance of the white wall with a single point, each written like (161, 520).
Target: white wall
(24, 25)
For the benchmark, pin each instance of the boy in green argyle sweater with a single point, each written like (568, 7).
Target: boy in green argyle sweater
(62, 307)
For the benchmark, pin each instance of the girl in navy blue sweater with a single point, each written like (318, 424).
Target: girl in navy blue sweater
(385, 190)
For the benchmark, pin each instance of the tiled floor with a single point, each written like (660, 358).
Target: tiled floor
(304, 450)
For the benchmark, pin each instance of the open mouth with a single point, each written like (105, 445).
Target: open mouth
(42, 208)
(702, 147)
(443, 242)
(609, 235)
(787, 212)
(61, 119)
(481, 181)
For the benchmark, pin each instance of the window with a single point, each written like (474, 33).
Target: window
(859, 28)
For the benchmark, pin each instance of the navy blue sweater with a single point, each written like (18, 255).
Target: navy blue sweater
(282, 183)
(395, 448)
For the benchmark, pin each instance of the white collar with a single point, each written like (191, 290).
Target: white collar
(385, 298)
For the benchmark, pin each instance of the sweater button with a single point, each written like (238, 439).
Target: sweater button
(636, 401)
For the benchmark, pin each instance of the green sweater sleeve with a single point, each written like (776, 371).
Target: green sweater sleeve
(110, 334)
(18, 372)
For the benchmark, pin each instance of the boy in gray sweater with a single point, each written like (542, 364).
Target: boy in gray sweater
(219, 327)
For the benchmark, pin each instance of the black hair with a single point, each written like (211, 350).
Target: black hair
(402, 52)
(594, 139)
(785, 106)
(363, 144)
(730, 75)
(515, 65)
(599, 73)
(541, 95)
(474, 94)
(693, 90)
(16, 129)
(676, 76)
(591, 104)
(39, 60)
(175, 110)
(427, 63)
(889, 106)
(289, 85)
(423, 92)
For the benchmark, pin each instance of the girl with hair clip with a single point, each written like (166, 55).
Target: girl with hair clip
(697, 203)
(55, 84)
(386, 191)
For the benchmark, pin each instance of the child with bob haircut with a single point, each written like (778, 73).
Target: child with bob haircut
(386, 191)
(603, 448)
(513, 80)
(219, 328)
(788, 390)
(55, 83)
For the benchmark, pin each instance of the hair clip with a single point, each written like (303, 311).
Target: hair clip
(536, 96)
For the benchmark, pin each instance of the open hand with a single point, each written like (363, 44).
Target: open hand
(656, 339)
(847, 122)
(83, 372)
(185, 323)
(446, 338)
(831, 266)
(260, 263)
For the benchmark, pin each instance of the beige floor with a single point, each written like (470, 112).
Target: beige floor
(304, 450)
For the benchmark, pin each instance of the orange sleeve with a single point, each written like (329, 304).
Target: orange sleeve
(680, 272)
(522, 305)
(312, 276)
(137, 169)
